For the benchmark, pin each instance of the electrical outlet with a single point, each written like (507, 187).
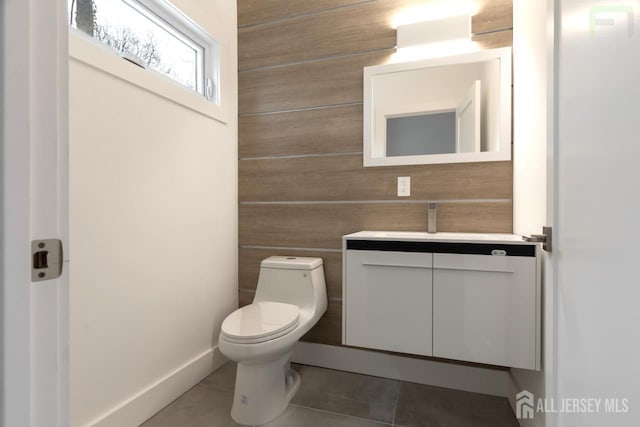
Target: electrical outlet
(404, 186)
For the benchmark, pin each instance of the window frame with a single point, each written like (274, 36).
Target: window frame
(170, 18)
(168, 14)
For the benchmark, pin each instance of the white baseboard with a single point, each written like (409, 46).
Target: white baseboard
(144, 404)
(441, 374)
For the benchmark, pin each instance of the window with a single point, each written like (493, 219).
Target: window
(154, 35)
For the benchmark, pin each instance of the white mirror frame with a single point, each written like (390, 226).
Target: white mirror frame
(504, 134)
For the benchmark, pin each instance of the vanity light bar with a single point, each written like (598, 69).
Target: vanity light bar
(439, 30)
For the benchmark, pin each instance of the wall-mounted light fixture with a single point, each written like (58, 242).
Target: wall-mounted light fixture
(442, 36)
(435, 31)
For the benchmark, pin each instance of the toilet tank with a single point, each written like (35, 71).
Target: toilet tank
(293, 280)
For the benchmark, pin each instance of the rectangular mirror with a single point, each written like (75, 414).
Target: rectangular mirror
(444, 110)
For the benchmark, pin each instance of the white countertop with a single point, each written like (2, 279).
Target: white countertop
(416, 236)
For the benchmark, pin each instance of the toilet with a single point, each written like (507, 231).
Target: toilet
(290, 298)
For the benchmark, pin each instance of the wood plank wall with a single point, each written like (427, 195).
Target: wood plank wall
(301, 181)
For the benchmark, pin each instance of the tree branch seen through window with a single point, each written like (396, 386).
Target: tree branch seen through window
(136, 37)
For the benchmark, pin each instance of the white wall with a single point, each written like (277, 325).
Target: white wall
(2, 226)
(153, 236)
(530, 116)
(532, 201)
(2, 215)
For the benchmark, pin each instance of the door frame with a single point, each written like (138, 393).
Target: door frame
(550, 302)
(34, 166)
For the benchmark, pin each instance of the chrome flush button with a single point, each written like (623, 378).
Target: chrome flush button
(499, 252)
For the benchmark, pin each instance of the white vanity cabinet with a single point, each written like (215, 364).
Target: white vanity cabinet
(484, 309)
(458, 296)
(390, 301)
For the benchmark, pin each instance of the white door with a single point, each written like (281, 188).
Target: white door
(597, 186)
(34, 190)
(468, 120)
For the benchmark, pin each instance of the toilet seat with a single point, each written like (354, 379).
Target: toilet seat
(259, 322)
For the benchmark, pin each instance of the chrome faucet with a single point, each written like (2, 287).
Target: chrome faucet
(431, 209)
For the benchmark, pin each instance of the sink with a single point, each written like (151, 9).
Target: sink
(442, 236)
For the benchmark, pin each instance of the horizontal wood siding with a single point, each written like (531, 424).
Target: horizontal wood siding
(326, 34)
(328, 330)
(343, 31)
(343, 178)
(301, 181)
(494, 40)
(251, 12)
(250, 267)
(491, 13)
(321, 131)
(323, 225)
(311, 84)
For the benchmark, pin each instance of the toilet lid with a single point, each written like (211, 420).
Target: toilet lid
(260, 320)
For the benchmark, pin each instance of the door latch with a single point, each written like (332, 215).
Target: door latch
(544, 238)
(46, 259)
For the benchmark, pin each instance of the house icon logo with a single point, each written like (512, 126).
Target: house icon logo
(524, 405)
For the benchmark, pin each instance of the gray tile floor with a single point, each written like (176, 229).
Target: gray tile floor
(329, 398)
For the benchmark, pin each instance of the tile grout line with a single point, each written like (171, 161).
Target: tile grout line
(253, 291)
(341, 414)
(395, 407)
(296, 110)
(288, 248)
(380, 201)
(318, 59)
(500, 30)
(214, 387)
(300, 156)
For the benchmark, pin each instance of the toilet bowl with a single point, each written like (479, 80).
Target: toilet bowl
(290, 298)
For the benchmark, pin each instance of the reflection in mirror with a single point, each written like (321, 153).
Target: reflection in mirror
(443, 110)
(433, 133)
(439, 132)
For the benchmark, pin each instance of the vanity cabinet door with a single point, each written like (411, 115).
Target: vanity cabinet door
(485, 309)
(388, 301)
